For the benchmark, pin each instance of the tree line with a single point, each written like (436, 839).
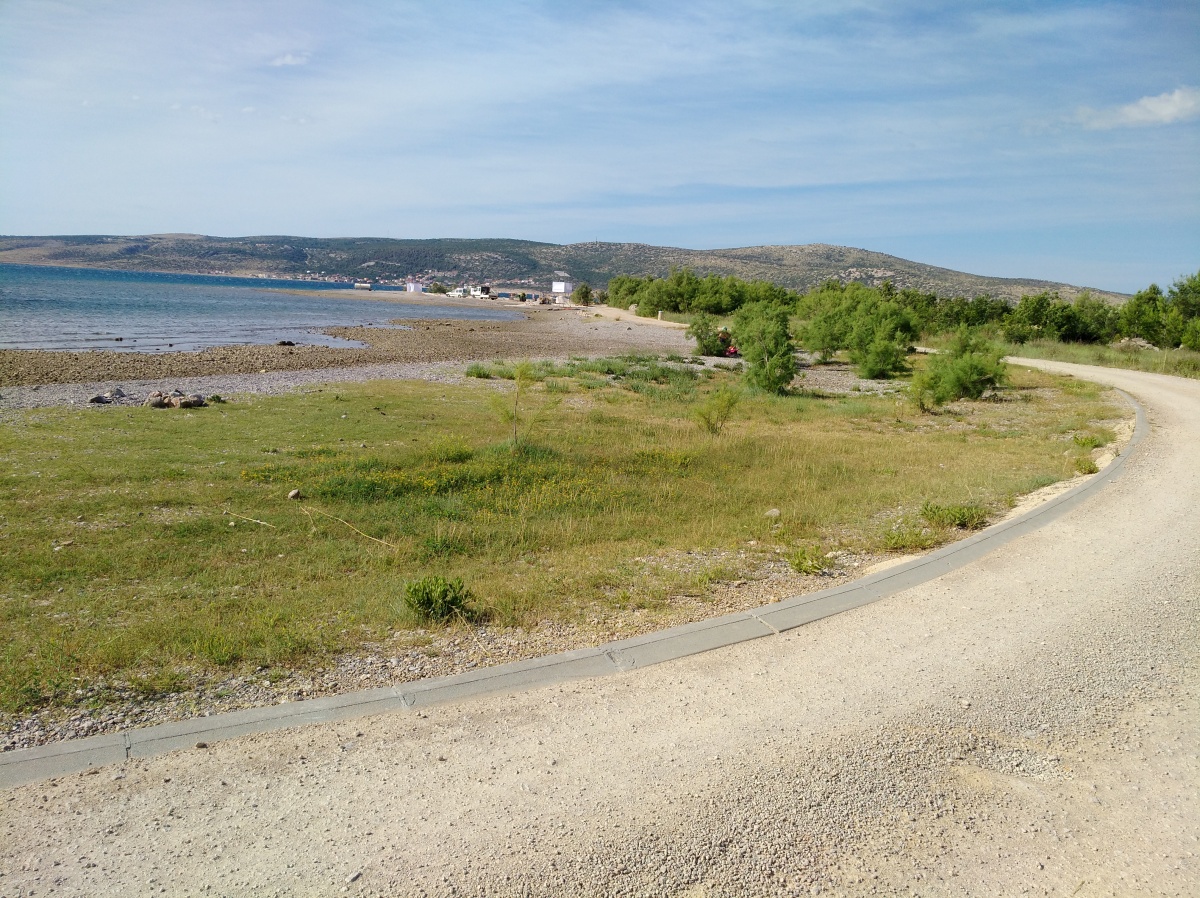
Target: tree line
(877, 326)
(835, 311)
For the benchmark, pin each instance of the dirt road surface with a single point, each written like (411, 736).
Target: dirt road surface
(1027, 724)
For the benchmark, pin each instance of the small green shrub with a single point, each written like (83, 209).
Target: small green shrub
(882, 359)
(762, 336)
(703, 330)
(807, 560)
(713, 413)
(962, 517)
(966, 369)
(1089, 440)
(436, 598)
(1086, 465)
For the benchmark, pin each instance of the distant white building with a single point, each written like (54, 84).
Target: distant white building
(562, 287)
(414, 287)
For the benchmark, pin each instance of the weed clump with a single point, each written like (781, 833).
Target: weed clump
(480, 370)
(808, 560)
(436, 598)
(1090, 440)
(961, 517)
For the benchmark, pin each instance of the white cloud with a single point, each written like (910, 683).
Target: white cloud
(290, 59)
(1176, 106)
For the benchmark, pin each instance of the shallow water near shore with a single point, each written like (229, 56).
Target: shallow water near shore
(75, 309)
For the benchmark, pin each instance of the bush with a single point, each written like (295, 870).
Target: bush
(882, 359)
(582, 295)
(1018, 332)
(1191, 335)
(761, 333)
(436, 598)
(714, 411)
(703, 330)
(880, 333)
(966, 369)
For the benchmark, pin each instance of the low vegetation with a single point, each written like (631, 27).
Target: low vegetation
(435, 598)
(148, 548)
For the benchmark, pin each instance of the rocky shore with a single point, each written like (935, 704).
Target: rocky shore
(545, 332)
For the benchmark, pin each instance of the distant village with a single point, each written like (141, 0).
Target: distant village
(559, 293)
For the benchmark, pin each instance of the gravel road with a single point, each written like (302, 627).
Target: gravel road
(1028, 724)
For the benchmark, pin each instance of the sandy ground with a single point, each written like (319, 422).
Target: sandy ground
(1028, 724)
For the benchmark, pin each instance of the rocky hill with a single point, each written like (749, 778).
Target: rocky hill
(518, 263)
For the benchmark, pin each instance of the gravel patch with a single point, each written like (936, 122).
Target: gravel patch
(225, 385)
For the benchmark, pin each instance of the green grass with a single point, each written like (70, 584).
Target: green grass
(1180, 362)
(141, 547)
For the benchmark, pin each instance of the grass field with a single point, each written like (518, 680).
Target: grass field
(143, 546)
(1180, 362)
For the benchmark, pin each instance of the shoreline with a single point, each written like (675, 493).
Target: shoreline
(32, 378)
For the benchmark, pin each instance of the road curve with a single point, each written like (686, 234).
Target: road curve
(1028, 723)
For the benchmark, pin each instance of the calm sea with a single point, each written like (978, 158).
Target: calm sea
(80, 308)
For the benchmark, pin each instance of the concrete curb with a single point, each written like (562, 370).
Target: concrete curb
(62, 758)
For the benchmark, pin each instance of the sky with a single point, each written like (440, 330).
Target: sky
(1055, 140)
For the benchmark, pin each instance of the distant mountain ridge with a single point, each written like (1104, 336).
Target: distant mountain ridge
(517, 263)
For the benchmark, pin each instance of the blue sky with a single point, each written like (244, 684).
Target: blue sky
(1051, 139)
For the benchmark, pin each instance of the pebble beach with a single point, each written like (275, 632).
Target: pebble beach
(426, 349)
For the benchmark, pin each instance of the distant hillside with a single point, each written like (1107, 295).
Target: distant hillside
(518, 263)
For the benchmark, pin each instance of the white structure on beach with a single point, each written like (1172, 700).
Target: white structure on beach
(562, 287)
(414, 287)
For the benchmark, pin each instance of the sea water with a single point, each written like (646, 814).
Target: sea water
(134, 311)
